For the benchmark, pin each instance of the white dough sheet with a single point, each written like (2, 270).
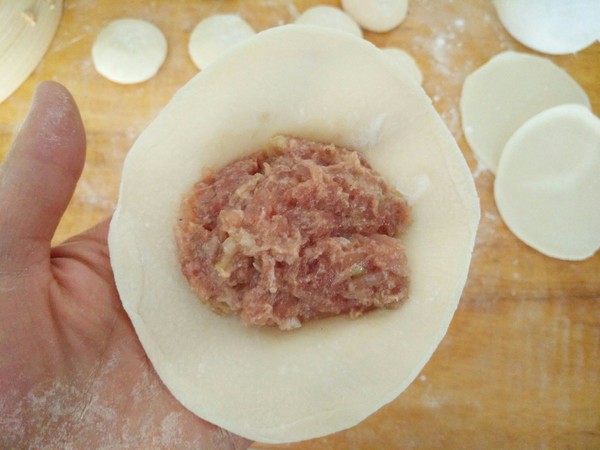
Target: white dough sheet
(330, 17)
(556, 27)
(129, 51)
(548, 184)
(405, 62)
(377, 15)
(215, 35)
(504, 93)
(262, 383)
(25, 35)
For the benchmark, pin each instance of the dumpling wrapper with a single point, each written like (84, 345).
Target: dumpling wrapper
(329, 17)
(25, 35)
(214, 35)
(262, 383)
(557, 27)
(405, 62)
(377, 15)
(129, 51)
(548, 184)
(504, 93)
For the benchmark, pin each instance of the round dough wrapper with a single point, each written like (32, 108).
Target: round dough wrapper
(548, 183)
(377, 15)
(556, 27)
(129, 51)
(215, 35)
(25, 34)
(405, 62)
(258, 382)
(330, 17)
(504, 93)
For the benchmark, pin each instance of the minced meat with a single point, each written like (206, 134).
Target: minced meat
(300, 231)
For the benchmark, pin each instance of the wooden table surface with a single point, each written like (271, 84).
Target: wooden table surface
(520, 365)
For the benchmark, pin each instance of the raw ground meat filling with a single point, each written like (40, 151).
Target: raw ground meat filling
(300, 231)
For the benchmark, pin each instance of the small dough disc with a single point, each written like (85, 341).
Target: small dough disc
(405, 62)
(556, 27)
(262, 383)
(129, 51)
(330, 17)
(548, 184)
(377, 15)
(215, 35)
(504, 93)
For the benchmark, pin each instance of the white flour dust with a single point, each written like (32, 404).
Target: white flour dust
(58, 414)
(446, 46)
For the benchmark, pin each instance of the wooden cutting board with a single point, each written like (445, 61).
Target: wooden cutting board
(520, 366)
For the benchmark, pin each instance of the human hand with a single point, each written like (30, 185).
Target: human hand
(72, 370)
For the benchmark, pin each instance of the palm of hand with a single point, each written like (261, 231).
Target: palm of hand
(72, 370)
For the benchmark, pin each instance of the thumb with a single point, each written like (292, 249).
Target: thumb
(39, 176)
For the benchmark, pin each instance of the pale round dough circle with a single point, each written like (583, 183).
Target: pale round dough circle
(214, 35)
(330, 17)
(504, 93)
(25, 35)
(405, 62)
(377, 15)
(548, 184)
(556, 27)
(129, 51)
(262, 383)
